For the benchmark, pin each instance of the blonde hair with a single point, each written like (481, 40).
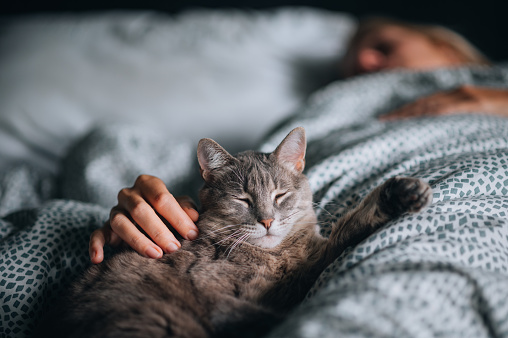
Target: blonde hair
(458, 45)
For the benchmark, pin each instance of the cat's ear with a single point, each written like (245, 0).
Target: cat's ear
(291, 151)
(211, 156)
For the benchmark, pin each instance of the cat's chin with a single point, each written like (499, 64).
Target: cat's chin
(267, 242)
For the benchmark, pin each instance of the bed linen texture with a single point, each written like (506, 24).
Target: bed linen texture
(63, 74)
(442, 272)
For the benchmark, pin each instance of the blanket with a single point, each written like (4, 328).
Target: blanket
(442, 272)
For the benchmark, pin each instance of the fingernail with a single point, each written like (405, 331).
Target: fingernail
(172, 247)
(193, 234)
(153, 253)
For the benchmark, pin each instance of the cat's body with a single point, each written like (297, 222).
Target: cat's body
(258, 253)
(202, 288)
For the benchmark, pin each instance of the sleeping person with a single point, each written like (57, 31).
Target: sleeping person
(379, 44)
(383, 44)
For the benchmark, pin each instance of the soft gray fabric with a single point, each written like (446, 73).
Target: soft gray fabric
(441, 272)
(227, 74)
(111, 157)
(44, 243)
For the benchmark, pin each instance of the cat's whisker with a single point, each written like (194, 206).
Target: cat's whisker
(225, 239)
(336, 208)
(213, 234)
(220, 231)
(317, 206)
(239, 241)
(289, 217)
(231, 245)
(293, 213)
(225, 227)
(210, 236)
(243, 241)
(229, 237)
(328, 203)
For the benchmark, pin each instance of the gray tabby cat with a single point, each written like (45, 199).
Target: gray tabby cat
(258, 254)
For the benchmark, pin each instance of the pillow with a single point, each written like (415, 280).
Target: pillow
(226, 74)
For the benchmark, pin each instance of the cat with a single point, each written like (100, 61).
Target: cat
(258, 254)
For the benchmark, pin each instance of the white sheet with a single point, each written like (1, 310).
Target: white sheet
(228, 75)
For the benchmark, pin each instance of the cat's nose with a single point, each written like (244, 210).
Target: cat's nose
(267, 223)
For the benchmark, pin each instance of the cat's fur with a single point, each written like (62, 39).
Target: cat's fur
(245, 271)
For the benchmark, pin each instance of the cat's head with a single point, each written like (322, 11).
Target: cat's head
(257, 197)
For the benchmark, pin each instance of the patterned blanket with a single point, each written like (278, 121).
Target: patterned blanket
(442, 272)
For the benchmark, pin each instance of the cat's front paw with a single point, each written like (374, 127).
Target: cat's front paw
(405, 194)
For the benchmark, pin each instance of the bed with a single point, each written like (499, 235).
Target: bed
(88, 102)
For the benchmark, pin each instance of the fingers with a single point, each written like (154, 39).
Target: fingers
(181, 218)
(96, 246)
(459, 100)
(148, 204)
(189, 207)
(144, 215)
(422, 107)
(98, 239)
(132, 236)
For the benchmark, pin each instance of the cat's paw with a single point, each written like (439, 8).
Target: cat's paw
(405, 194)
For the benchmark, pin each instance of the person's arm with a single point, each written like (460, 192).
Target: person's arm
(146, 204)
(465, 99)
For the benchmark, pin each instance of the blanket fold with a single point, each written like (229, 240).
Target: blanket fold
(442, 272)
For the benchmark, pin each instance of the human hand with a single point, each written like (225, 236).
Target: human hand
(464, 99)
(146, 204)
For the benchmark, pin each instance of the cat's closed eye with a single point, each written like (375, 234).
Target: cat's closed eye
(280, 197)
(245, 201)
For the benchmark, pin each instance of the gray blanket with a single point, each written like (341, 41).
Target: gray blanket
(442, 272)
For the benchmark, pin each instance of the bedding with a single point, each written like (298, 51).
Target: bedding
(227, 74)
(442, 272)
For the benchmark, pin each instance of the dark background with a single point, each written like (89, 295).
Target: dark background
(484, 22)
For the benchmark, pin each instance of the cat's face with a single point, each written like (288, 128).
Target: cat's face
(254, 197)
